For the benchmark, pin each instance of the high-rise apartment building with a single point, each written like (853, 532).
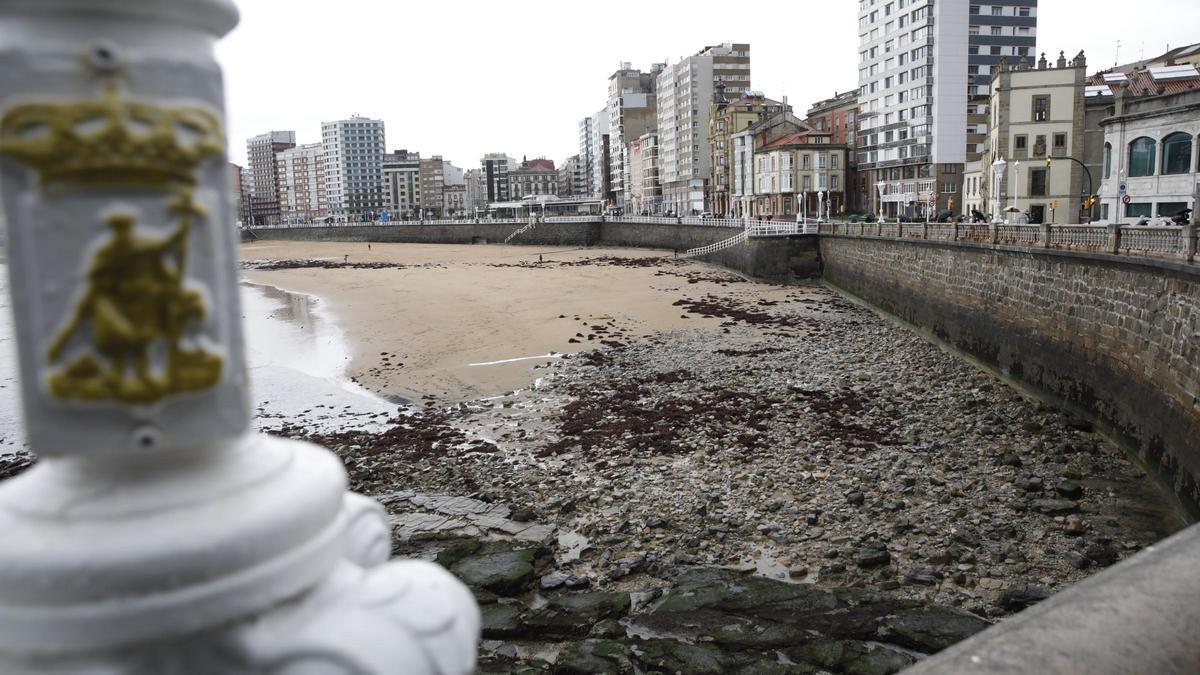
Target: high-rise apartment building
(684, 94)
(631, 112)
(300, 173)
(354, 150)
(476, 194)
(263, 187)
(238, 193)
(587, 160)
(451, 175)
(572, 179)
(494, 168)
(924, 66)
(645, 191)
(599, 162)
(402, 184)
(433, 183)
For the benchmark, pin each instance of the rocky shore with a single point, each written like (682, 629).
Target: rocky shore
(710, 500)
(780, 482)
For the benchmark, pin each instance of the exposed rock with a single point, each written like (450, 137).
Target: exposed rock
(930, 629)
(1018, 598)
(852, 657)
(501, 620)
(505, 568)
(574, 615)
(872, 557)
(1070, 489)
(594, 657)
(1055, 507)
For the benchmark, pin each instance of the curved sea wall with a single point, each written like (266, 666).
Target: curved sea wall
(776, 259)
(1116, 338)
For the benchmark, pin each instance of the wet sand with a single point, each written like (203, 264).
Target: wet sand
(463, 322)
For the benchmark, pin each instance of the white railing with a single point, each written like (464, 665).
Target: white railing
(1157, 241)
(719, 246)
(516, 233)
(980, 232)
(1079, 237)
(570, 219)
(1150, 241)
(1019, 234)
(776, 228)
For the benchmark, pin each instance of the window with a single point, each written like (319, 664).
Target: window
(1060, 141)
(1138, 210)
(997, 30)
(1107, 160)
(1141, 158)
(1037, 182)
(1168, 209)
(1041, 108)
(1020, 142)
(1177, 154)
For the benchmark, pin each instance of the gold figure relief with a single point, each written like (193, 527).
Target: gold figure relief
(131, 336)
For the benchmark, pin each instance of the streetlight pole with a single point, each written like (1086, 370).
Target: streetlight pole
(998, 178)
(1016, 192)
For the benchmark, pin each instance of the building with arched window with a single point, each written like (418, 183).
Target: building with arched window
(1152, 144)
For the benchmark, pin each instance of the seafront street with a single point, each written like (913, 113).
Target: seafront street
(782, 432)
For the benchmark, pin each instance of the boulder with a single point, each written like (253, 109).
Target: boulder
(853, 657)
(504, 568)
(930, 629)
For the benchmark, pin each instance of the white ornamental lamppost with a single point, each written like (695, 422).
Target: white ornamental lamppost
(158, 533)
(998, 180)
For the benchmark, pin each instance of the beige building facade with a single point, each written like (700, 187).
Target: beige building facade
(1035, 134)
(799, 174)
(727, 118)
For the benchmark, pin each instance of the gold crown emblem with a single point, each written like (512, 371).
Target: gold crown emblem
(111, 141)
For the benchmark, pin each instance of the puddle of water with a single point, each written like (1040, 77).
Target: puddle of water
(574, 543)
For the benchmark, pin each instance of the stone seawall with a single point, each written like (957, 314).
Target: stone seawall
(775, 259)
(1117, 339)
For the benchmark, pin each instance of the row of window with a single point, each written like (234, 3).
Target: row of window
(1176, 156)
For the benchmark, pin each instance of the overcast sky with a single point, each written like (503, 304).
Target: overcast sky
(466, 77)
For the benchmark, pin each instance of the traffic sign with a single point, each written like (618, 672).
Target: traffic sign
(1126, 199)
(1121, 188)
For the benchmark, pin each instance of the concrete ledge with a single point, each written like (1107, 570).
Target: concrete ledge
(1136, 617)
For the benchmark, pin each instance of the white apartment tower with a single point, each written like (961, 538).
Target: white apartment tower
(923, 69)
(598, 164)
(354, 151)
(684, 96)
(587, 132)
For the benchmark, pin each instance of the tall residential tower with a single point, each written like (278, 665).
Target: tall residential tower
(684, 95)
(353, 167)
(923, 72)
(263, 186)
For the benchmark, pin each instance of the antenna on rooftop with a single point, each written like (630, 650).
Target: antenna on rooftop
(1117, 56)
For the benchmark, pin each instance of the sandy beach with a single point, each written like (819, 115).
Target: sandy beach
(463, 322)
